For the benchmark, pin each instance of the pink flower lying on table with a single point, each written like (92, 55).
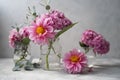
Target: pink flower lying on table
(75, 61)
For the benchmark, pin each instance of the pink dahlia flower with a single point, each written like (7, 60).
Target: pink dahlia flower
(24, 32)
(88, 36)
(13, 37)
(40, 31)
(75, 61)
(57, 20)
(101, 46)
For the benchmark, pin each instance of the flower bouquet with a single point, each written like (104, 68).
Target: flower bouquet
(19, 40)
(76, 61)
(45, 30)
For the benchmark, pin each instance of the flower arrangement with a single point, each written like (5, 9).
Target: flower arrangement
(48, 27)
(45, 29)
(19, 40)
(76, 61)
(19, 35)
(91, 39)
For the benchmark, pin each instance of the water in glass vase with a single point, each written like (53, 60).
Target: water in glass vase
(22, 57)
(51, 56)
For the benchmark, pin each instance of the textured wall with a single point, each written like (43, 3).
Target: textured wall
(102, 16)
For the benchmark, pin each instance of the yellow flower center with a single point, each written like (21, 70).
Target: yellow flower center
(74, 58)
(40, 30)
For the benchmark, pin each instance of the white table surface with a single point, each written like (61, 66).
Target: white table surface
(108, 70)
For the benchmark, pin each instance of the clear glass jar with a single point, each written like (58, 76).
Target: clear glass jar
(94, 59)
(22, 57)
(51, 56)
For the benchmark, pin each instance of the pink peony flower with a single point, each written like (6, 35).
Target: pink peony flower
(88, 36)
(101, 46)
(24, 32)
(75, 61)
(40, 31)
(95, 41)
(13, 37)
(56, 19)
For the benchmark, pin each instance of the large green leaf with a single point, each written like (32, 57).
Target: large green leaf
(64, 30)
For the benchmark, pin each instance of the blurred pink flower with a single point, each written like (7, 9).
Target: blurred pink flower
(24, 32)
(88, 36)
(74, 61)
(101, 46)
(13, 37)
(40, 31)
(96, 41)
(57, 20)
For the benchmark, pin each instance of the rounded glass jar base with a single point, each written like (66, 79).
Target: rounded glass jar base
(53, 62)
(52, 67)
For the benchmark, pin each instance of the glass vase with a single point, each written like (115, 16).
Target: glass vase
(94, 59)
(22, 57)
(51, 56)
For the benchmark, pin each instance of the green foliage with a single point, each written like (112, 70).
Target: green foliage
(18, 65)
(26, 41)
(82, 44)
(47, 7)
(28, 66)
(85, 47)
(64, 30)
(17, 29)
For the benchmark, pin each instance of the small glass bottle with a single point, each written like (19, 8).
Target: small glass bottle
(22, 57)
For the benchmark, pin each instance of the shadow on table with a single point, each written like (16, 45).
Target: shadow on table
(106, 68)
(99, 69)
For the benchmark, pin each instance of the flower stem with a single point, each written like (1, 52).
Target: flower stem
(23, 56)
(47, 55)
(55, 51)
(86, 49)
(47, 63)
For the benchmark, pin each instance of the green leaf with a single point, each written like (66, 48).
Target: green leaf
(34, 14)
(17, 29)
(36, 65)
(64, 30)
(28, 66)
(29, 8)
(13, 27)
(86, 49)
(26, 41)
(47, 7)
(18, 65)
(16, 68)
(82, 44)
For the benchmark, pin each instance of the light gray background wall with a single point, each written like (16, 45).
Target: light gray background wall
(102, 16)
